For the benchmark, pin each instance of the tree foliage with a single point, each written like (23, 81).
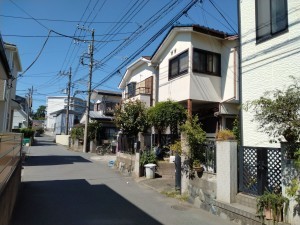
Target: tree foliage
(40, 114)
(278, 112)
(131, 117)
(165, 114)
(93, 129)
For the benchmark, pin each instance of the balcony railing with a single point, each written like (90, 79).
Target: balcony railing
(10, 155)
(138, 91)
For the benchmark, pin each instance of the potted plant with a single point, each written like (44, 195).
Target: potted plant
(272, 206)
(197, 167)
(223, 135)
(147, 157)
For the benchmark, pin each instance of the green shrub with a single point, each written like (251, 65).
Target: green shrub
(77, 132)
(147, 157)
(28, 132)
(225, 135)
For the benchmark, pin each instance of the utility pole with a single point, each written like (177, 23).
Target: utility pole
(68, 106)
(29, 99)
(68, 102)
(89, 86)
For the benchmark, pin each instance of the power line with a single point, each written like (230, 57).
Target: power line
(61, 20)
(222, 16)
(152, 39)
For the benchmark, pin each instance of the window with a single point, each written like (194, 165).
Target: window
(206, 62)
(178, 65)
(131, 89)
(271, 18)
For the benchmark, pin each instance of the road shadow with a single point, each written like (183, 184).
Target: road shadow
(75, 202)
(51, 160)
(44, 141)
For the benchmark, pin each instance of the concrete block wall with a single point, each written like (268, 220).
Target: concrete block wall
(125, 163)
(165, 169)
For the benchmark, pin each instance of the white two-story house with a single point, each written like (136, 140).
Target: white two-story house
(198, 67)
(10, 67)
(140, 82)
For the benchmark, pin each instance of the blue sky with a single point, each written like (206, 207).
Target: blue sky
(122, 27)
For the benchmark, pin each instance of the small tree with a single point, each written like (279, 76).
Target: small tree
(93, 130)
(40, 113)
(131, 117)
(166, 114)
(278, 112)
(195, 136)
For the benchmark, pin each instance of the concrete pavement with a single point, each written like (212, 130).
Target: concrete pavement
(61, 187)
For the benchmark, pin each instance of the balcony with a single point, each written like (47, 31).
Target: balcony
(143, 94)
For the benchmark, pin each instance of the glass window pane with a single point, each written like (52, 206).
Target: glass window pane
(209, 63)
(174, 67)
(279, 15)
(216, 64)
(183, 62)
(199, 61)
(263, 18)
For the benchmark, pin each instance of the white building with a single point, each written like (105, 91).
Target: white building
(198, 68)
(140, 82)
(20, 117)
(10, 66)
(269, 55)
(56, 103)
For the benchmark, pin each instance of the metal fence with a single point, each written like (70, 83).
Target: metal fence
(259, 170)
(207, 155)
(10, 155)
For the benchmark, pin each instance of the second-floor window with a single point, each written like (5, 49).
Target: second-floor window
(206, 62)
(131, 89)
(178, 65)
(271, 18)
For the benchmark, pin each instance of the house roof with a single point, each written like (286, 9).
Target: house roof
(96, 115)
(14, 49)
(4, 61)
(131, 67)
(96, 93)
(107, 92)
(191, 28)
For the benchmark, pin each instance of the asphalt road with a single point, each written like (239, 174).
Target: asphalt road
(61, 187)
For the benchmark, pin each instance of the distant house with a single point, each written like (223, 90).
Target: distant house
(61, 121)
(104, 104)
(20, 116)
(10, 65)
(197, 67)
(139, 82)
(56, 103)
(269, 55)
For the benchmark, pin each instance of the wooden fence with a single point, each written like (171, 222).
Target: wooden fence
(10, 156)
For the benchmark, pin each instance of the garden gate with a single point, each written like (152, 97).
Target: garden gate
(259, 170)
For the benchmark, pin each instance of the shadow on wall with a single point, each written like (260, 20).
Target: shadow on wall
(75, 202)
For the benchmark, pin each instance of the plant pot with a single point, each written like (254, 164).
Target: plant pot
(198, 169)
(269, 215)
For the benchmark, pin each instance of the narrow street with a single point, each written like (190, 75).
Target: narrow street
(61, 187)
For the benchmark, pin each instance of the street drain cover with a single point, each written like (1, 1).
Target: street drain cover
(179, 207)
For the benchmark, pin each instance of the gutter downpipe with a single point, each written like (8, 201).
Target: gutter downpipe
(240, 73)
